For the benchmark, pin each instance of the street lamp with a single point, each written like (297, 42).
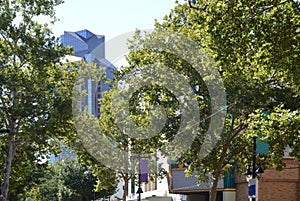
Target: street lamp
(139, 191)
(140, 179)
(256, 169)
(193, 2)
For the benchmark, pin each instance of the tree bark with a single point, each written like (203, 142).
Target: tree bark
(11, 148)
(213, 190)
(217, 173)
(126, 180)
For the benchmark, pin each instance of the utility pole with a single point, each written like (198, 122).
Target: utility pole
(139, 191)
(140, 188)
(252, 171)
(254, 164)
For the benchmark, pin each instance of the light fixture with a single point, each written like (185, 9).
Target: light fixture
(259, 170)
(193, 2)
(139, 190)
(248, 171)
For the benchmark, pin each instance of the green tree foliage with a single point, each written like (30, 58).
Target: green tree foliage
(85, 129)
(35, 102)
(255, 45)
(43, 184)
(23, 180)
(131, 148)
(80, 179)
(103, 145)
(66, 180)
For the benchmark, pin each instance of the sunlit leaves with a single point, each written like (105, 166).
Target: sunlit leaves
(35, 87)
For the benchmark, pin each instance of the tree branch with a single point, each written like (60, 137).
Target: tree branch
(272, 6)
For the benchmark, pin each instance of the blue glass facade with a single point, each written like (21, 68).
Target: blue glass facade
(84, 42)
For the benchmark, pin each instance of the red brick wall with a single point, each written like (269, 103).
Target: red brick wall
(280, 185)
(274, 185)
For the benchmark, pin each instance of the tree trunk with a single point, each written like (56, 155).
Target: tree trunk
(11, 148)
(126, 180)
(213, 190)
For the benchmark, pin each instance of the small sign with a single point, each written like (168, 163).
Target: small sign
(262, 146)
(252, 188)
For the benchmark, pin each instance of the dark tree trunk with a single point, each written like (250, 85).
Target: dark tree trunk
(11, 148)
(126, 180)
(213, 191)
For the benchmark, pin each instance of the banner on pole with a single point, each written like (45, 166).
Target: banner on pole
(252, 188)
(144, 170)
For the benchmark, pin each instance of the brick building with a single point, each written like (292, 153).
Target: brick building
(274, 185)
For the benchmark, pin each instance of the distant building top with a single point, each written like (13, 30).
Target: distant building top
(89, 47)
(84, 42)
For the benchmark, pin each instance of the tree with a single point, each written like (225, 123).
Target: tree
(23, 179)
(35, 87)
(66, 180)
(102, 142)
(81, 182)
(255, 45)
(124, 157)
(43, 185)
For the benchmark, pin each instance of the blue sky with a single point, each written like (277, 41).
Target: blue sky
(110, 17)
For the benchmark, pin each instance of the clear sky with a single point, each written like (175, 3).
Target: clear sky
(110, 17)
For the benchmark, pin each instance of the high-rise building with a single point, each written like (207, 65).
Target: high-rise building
(91, 48)
(88, 47)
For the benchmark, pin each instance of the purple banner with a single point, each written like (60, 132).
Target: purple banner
(144, 170)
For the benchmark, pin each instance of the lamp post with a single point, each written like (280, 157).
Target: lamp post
(139, 191)
(193, 2)
(256, 169)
